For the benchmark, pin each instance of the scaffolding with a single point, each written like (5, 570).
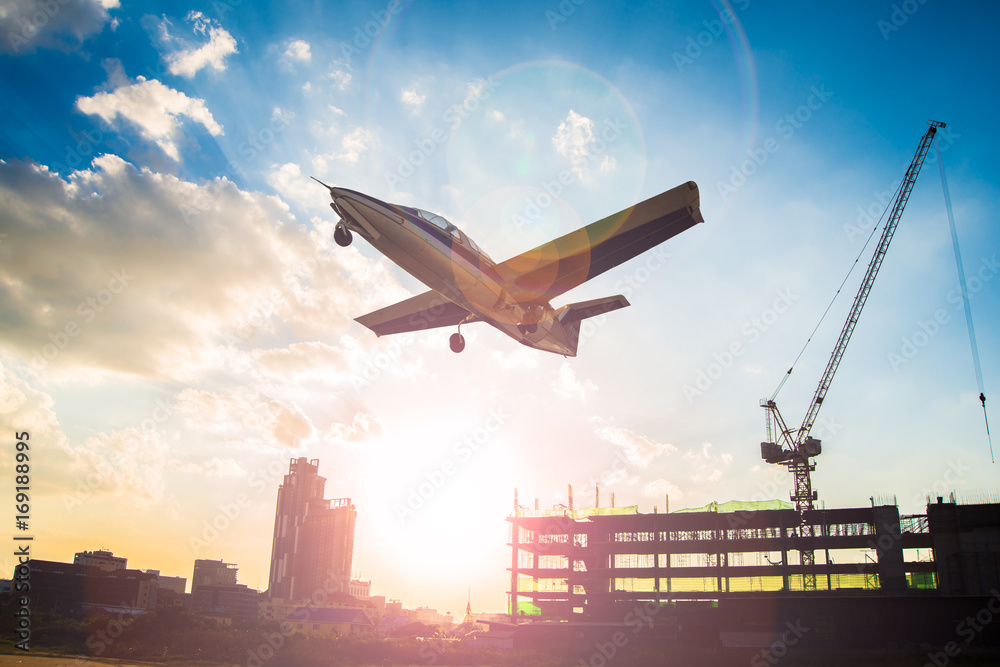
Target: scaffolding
(587, 563)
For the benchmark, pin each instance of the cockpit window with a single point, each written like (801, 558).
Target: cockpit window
(442, 223)
(473, 245)
(438, 221)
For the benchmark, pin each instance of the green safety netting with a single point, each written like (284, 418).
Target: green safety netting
(525, 609)
(740, 506)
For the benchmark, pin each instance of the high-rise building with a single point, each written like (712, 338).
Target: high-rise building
(165, 583)
(213, 573)
(313, 537)
(104, 560)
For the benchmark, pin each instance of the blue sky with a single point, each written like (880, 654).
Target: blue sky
(157, 201)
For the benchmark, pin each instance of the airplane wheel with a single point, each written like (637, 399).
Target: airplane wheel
(457, 342)
(342, 235)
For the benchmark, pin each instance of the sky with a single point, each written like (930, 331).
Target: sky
(176, 322)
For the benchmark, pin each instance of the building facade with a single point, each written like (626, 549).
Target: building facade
(236, 601)
(313, 542)
(593, 563)
(68, 588)
(213, 573)
(105, 560)
(175, 584)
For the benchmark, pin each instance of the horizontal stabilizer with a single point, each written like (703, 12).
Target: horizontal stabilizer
(584, 309)
(572, 314)
(424, 311)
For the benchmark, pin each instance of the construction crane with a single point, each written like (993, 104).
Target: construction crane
(795, 447)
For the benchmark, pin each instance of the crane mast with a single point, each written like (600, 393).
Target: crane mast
(795, 447)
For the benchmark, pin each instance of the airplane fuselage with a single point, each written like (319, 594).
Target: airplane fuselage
(442, 257)
(466, 285)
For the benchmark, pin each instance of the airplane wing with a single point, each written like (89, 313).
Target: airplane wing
(560, 265)
(424, 311)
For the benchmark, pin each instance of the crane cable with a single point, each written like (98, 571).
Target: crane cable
(844, 282)
(965, 296)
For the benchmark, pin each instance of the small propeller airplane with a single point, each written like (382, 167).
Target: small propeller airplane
(514, 296)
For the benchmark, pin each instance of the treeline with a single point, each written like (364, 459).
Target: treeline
(177, 636)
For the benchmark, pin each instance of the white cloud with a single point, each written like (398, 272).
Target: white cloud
(125, 462)
(153, 108)
(572, 139)
(363, 428)
(639, 450)
(302, 360)
(659, 488)
(175, 270)
(413, 100)
(708, 466)
(355, 143)
(341, 79)
(244, 417)
(66, 28)
(299, 50)
(188, 61)
(352, 145)
(567, 385)
(520, 357)
(288, 180)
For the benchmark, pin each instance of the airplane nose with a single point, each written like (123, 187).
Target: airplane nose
(335, 192)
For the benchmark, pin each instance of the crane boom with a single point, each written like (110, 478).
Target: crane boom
(795, 447)
(798, 445)
(869, 279)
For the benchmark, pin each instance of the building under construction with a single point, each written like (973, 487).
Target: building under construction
(597, 563)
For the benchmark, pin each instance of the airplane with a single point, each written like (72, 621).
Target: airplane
(514, 296)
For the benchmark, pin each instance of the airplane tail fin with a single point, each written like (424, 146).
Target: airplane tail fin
(571, 315)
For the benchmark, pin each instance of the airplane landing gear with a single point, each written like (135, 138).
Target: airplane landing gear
(342, 235)
(457, 342)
